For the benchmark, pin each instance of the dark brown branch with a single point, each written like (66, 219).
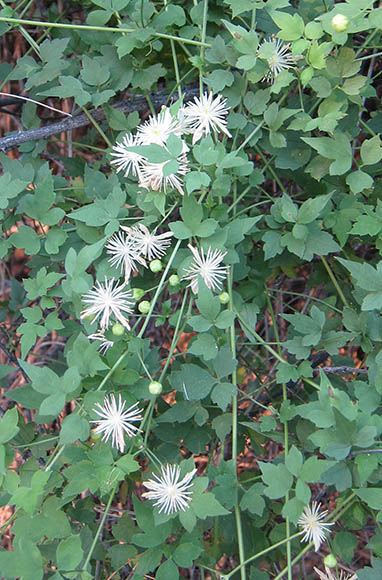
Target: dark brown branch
(139, 104)
(345, 370)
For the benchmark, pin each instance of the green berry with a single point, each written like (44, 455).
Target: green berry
(138, 293)
(94, 436)
(173, 280)
(156, 266)
(224, 298)
(144, 306)
(118, 329)
(155, 388)
(330, 561)
(340, 22)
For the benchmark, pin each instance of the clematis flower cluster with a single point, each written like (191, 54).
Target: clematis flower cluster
(277, 56)
(198, 118)
(110, 301)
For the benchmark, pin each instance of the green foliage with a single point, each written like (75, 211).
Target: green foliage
(282, 192)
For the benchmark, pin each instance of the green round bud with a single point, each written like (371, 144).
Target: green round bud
(89, 318)
(94, 436)
(173, 280)
(118, 329)
(241, 374)
(340, 22)
(155, 388)
(144, 306)
(330, 561)
(138, 293)
(156, 266)
(224, 298)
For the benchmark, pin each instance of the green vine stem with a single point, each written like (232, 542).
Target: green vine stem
(90, 553)
(97, 28)
(239, 527)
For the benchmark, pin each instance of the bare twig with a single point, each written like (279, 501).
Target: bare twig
(344, 369)
(139, 104)
(12, 358)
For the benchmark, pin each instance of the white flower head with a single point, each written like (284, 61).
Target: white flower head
(311, 523)
(156, 177)
(172, 494)
(205, 114)
(158, 129)
(125, 160)
(208, 267)
(106, 300)
(277, 55)
(105, 343)
(124, 253)
(149, 244)
(330, 575)
(115, 421)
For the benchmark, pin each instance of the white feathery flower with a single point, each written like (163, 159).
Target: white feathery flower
(126, 160)
(205, 114)
(149, 244)
(311, 523)
(115, 421)
(172, 494)
(107, 300)
(105, 343)
(153, 175)
(124, 253)
(329, 575)
(277, 55)
(158, 129)
(208, 267)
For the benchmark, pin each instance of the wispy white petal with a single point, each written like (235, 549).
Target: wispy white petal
(125, 160)
(158, 128)
(125, 253)
(204, 115)
(332, 574)
(208, 267)
(311, 523)
(153, 175)
(172, 494)
(115, 421)
(105, 343)
(150, 245)
(106, 300)
(277, 55)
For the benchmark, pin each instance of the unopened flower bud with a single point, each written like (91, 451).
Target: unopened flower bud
(118, 329)
(144, 306)
(173, 280)
(224, 298)
(156, 266)
(330, 561)
(340, 22)
(138, 293)
(155, 388)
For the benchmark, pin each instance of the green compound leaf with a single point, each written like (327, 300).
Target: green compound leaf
(27, 239)
(8, 425)
(74, 427)
(277, 478)
(38, 286)
(167, 571)
(69, 553)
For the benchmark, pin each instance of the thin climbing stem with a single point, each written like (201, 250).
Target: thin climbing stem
(286, 442)
(159, 289)
(232, 338)
(334, 280)
(202, 47)
(97, 29)
(101, 524)
(98, 127)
